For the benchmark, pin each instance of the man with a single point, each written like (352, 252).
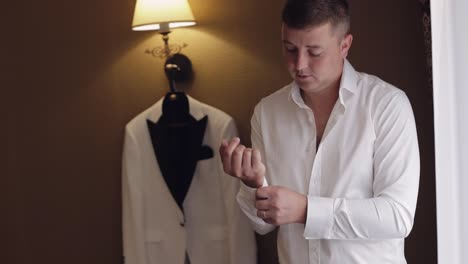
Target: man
(335, 159)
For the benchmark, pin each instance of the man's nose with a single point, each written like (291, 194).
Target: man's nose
(301, 61)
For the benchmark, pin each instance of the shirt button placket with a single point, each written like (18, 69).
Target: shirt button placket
(313, 252)
(318, 175)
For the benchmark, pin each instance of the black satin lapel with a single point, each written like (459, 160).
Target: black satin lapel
(177, 150)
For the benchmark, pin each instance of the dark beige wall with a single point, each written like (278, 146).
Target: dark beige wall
(75, 74)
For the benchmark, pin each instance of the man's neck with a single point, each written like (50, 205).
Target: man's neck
(322, 102)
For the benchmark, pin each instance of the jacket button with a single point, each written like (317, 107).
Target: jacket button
(182, 224)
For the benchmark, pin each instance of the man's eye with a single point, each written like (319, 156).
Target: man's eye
(290, 49)
(315, 54)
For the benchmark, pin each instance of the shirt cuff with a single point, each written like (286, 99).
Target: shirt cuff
(319, 220)
(249, 192)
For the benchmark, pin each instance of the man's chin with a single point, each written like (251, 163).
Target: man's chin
(308, 87)
(307, 84)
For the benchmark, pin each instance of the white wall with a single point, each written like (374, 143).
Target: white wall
(450, 61)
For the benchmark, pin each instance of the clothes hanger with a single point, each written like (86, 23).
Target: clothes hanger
(175, 110)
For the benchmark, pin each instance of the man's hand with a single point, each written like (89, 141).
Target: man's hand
(242, 163)
(279, 205)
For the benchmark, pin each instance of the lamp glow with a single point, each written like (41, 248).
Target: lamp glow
(162, 15)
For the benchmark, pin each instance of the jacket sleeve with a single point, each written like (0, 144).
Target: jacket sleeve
(242, 245)
(132, 203)
(246, 195)
(390, 212)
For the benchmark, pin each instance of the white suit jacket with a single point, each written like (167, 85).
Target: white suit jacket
(154, 229)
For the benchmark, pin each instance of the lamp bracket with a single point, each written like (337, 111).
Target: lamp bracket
(166, 51)
(160, 52)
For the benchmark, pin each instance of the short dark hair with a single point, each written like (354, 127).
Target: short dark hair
(300, 14)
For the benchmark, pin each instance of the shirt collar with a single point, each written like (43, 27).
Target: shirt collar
(348, 86)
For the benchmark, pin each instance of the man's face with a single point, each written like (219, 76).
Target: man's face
(314, 56)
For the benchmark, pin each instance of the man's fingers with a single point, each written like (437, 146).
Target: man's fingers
(222, 150)
(233, 144)
(263, 204)
(263, 214)
(247, 161)
(236, 160)
(228, 146)
(257, 166)
(262, 193)
(223, 146)
(226, 150)
(240, 161)
(256, 157)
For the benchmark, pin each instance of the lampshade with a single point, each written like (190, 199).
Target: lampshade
(162, 15)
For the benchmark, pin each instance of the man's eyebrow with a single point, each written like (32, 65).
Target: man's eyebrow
(308, 46)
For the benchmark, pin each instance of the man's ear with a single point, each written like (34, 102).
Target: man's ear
(346, 45)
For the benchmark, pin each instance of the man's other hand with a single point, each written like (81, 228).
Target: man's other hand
(279, 205)
(242, 163)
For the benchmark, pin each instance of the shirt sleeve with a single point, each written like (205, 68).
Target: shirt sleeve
(242, 246)
(390, 213)
(246, 195)
(132, 203)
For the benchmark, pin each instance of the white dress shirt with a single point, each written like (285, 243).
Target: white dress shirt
(361, 183)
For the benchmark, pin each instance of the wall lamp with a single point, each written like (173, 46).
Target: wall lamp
(163, 16)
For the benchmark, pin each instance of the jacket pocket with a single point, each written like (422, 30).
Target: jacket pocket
(154, 246)
(208, 244)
